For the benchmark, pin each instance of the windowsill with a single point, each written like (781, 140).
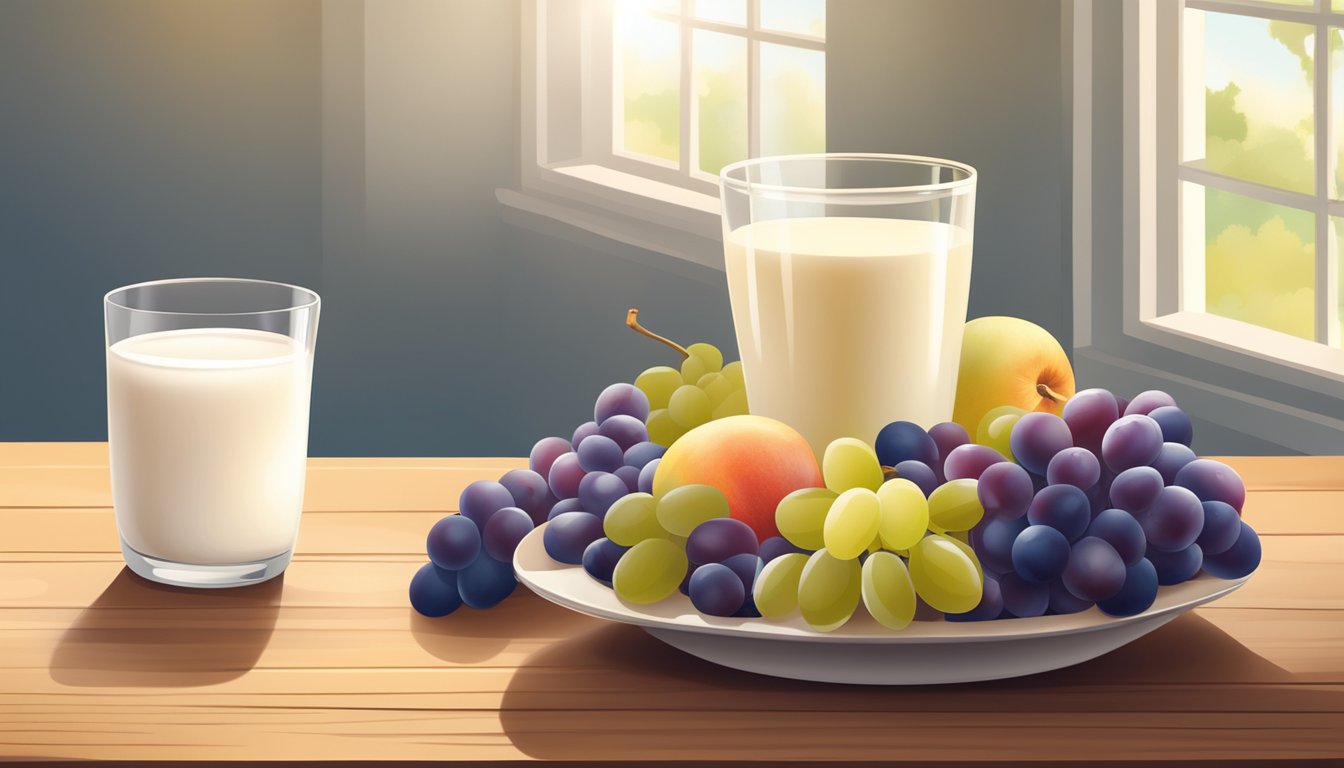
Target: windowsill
(622, 183)
(1196, 330)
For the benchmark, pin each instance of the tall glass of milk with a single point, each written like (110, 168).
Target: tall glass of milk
(207, 416)
(848, 276)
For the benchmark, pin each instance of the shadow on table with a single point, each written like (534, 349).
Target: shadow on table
(559, 702)
(142, 633)
(468, 636)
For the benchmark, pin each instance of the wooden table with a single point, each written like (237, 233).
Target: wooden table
(329, 662)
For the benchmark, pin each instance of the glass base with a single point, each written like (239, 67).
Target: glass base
(204, 576)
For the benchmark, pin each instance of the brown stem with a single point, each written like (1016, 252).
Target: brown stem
(1045, 391)
(632, 321)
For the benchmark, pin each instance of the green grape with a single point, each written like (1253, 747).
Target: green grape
(801, 516)
(959, 538)
(734, 404)
(995, 427)
(828, 591)
(733, 372)
(662, 429)
(850, 463)
(689, 406)
(851, 523)
(944, 576)
(905, 514)
(955, 506)
(716, 386)
(708, 354)
(632, 519)
(693, 369)
(649, 572)
(776, 587)
(887, 590)
(683, 508)
(658, 383)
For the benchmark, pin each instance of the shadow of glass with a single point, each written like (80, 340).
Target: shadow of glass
(140, 633)
(547, 710)
(468, 636)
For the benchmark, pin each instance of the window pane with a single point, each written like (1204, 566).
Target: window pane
(793, 100)
(1338, 225)
(1258, 98)
(801, 17)
(726, 11)
(1337, 109)
(1259, 263)
(648, 92)
(721, 98)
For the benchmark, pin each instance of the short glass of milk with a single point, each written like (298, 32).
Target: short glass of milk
(208, 385)
(848, 276)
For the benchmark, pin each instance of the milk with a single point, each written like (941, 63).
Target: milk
(209, 436)
(847, 324)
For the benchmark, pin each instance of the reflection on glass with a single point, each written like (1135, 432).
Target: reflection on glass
(1259, 263)
(799, 17)
(720, 71)
(1258, 99)
(725, 11)
(793, 100)
(648, 59)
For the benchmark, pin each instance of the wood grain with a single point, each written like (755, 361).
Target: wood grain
(329, 662)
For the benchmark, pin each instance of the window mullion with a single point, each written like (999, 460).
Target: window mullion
(1321, 123)
(690, 138)
(753, 79)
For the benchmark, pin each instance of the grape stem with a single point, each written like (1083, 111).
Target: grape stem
(632, 321)
(1045, 391)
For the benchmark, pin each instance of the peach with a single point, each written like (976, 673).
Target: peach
(755, 461)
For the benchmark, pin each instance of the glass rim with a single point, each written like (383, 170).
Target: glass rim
(314, 299)
(921, 190)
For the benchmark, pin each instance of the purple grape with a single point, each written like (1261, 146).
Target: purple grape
(1040, 553)
(685, 587)
(1145, 403)
(599, 490)
(989, 607)
(778, 545)
(1095, 570)
(1119, 529)
(600, 454)
(627, 431)
(453, 543)
(1174, 520)
(479, 501)
(565, 476)
(434, 591)
(586, 429)
(1176, 567)
(1062, 507)
(1222, 525)
(1036, 438)
(630, 476)
(1121, 403)
(1023, 599)
(1074, 466)
(640, 454)
(918, 473)
(1097, 500)
(1132, 441)
(1175, 424)
(567, 535)
(486, 582)
(993, 542)
(1135, 489)
(1213, 481)
(715, 590)
(600, 558)
(646, 476)
(564, 505)
(545, 452)
(530, 493)
(1088, 414)
(946, 436)
(1170, 459)
(503, 531)
(1138, 593)
(1062, 601)
(747, 567)
(903, 441)
(716, 540)
(1005, 490)
(621, 399)
(969, 461)
(1239, 560)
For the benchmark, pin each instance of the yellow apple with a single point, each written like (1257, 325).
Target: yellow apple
(1009, 361)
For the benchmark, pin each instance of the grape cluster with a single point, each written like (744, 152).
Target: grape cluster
(704, 389)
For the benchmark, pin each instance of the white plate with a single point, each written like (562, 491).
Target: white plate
(864, 651)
